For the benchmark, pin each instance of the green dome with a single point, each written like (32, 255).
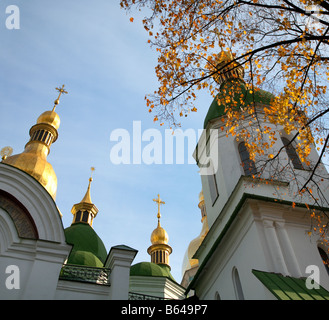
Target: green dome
(151, 269)
(85, 258)
(241, 96)
(88, 248)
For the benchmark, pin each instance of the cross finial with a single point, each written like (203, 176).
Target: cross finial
(159, 202)
(60, 90)
(91, 174)
(87, 197)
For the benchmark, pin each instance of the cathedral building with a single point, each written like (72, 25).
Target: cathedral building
(259, 244)
(253, 243)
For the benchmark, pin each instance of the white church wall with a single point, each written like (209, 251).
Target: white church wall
(156, 286)
(74, 290)
(240, 249)
(306, 251)
(29, 268)
(264, 236)
(37, 260)
(226, 166)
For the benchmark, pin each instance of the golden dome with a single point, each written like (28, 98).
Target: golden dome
(201, 197)
(159, 250)
(159, 235)
(224, 56)
(222, 69)
(188, 261)
(33, 160)
(51, 118)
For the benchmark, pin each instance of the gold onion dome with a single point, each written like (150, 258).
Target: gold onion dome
(223, 68)
(51, 118)
(159, 250)
(33, 160)
(159, 235)
(189, 262)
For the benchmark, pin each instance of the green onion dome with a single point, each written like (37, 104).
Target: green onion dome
(235, 94)
(150, 269)
(88, 248)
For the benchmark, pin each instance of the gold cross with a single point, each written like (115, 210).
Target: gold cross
(159, 202)
(92, 169)
(60, 90)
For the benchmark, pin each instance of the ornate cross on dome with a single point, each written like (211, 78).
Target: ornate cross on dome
(159, 202)
(60, 90)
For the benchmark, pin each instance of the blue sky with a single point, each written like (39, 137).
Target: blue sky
(107, 67)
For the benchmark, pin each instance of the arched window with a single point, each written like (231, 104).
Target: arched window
(211, 177)
(217, 296)
(325, 259)
(237, 284)
(292, 154)
(247, 164)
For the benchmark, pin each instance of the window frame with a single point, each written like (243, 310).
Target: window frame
(248, 165)
(212, 184)
(292, 154)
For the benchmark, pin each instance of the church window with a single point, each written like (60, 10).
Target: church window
(212, 183)
(248, 165)
(325, 259)
(213, 188)
(78, 216)
(85, 216)
(292, 154)
(237, 285)
(217, 296)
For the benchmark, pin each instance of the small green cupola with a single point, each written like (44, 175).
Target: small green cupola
(88, 248)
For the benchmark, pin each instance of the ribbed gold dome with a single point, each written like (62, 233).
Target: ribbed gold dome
(188, 261)
(159, 236)
(159, 250)
(224, 56)
(51, 118)
(33, 160)
(222, 69)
